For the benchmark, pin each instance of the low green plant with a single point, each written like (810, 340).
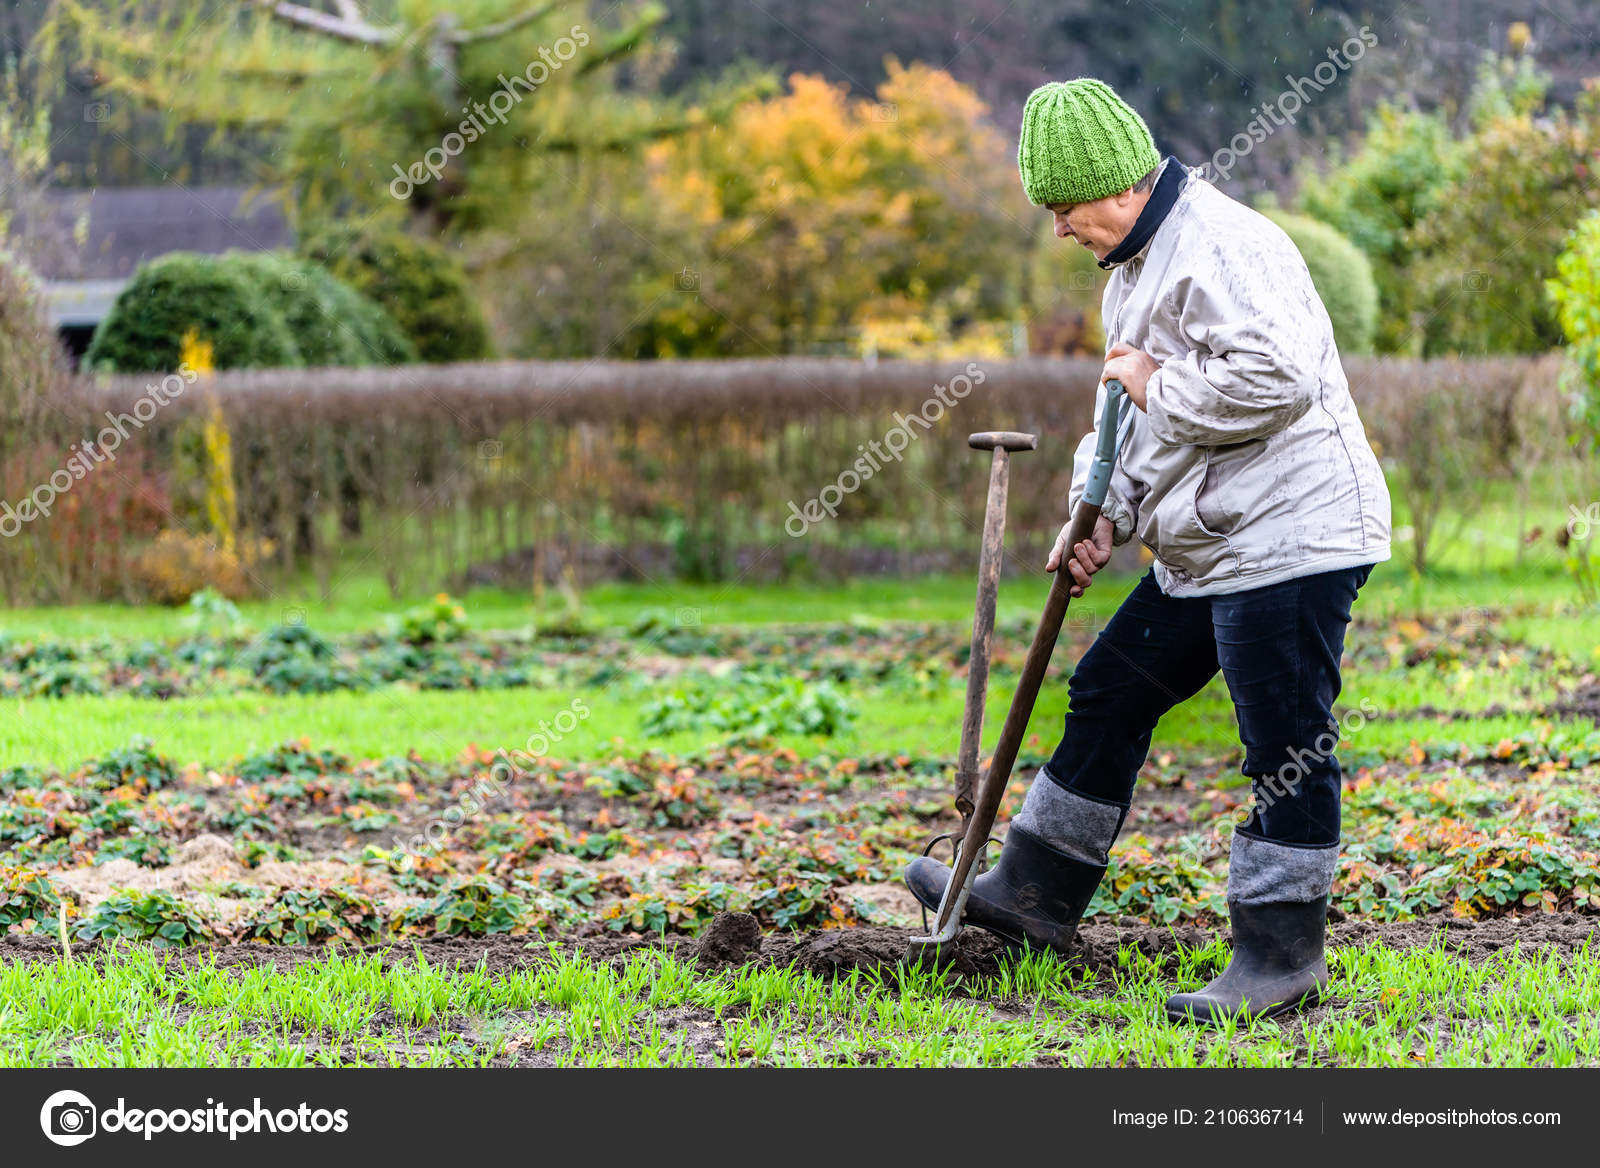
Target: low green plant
(751, 703)
(312, 916)
(473, 907)
(687, 909)
(801, 899)
(137, 764)
(1162, 887)
(155, 916)
(29, 902)
(440, 621)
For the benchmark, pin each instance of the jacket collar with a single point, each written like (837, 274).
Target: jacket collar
(1168, 184)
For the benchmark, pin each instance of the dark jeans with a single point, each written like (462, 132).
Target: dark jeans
(1278, 648)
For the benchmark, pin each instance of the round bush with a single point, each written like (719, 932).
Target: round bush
(1343, 278)
(175, 293)
(422, 286)
(331, 322)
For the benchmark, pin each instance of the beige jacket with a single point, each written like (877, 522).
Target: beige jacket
(1250, 465)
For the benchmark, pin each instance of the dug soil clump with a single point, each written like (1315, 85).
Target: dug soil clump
(732, 938)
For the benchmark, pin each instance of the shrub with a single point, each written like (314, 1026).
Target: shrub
(1343, 278)
(332, 323)
(213, 296)
(31, 368)
(418, 283)
(179, 566)
(1377, 196)
(1575, 292)
(1496, 230)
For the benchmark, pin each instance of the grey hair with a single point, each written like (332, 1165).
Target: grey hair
(1148, 180)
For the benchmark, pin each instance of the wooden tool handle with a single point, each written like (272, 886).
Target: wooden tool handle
(993, 787)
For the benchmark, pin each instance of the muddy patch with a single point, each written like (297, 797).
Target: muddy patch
(1580, 703)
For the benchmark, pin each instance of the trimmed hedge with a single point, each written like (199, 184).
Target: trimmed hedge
(418, 283)
(259, 310)
(1343, 278)
(217, 298)
(332, 323)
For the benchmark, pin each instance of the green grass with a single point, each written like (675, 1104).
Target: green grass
(1394, 1007)
(439, 724)
(132, 1009)
(362, 602)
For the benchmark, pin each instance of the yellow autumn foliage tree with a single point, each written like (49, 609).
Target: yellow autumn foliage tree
(179, 563)
(813, 219)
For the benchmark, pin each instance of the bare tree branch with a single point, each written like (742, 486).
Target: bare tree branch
(347, 29)
(490, 31)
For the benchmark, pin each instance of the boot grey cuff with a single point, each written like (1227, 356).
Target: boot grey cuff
(1072, 824)
(1262, 872)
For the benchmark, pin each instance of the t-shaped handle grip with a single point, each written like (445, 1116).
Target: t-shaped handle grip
(1003, 440)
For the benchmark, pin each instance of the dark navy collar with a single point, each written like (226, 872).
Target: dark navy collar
(1155, 211)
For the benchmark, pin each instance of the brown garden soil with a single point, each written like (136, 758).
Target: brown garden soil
(734, 939)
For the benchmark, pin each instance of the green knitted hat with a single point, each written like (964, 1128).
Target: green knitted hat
(1081, 142)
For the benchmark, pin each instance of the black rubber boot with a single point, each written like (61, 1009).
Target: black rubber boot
(1033, 896)
(1277, 965)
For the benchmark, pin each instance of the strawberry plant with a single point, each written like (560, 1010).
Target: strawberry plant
(598, 845)
(311, 916)
(1162, 887)
(801, 899)
(687, 909)
(136, 764)
(291, 760)
(29, 902)
(441, 621)
(474, 907)
(749, 702)
(150, 851)
(682, 802)
(155, 916)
